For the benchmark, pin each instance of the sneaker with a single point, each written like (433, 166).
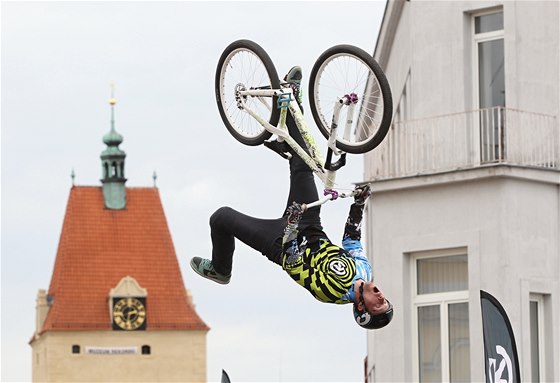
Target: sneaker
(281, 148)
(293, 78)
(204, 268)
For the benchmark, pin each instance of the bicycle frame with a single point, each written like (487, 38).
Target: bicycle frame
(325, 171)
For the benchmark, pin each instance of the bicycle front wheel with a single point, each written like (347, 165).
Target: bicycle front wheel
(244, 65)
(346, 70)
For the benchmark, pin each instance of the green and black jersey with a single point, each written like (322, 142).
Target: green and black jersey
(328, 271)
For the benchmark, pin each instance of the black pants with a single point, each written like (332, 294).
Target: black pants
(265, 235)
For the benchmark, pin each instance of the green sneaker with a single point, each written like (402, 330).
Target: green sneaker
(294, 75)
(293, 78)
(204, 268)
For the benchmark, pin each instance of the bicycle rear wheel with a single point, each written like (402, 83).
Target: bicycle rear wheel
(244, 65)
(348, 70)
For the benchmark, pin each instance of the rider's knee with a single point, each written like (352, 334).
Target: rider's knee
(220, 216)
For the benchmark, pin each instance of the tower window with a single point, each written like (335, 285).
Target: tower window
(75, 349)
(146, 350)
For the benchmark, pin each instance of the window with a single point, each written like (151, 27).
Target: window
(536, 308)
(75, 349)
(146, 350)
(398, 133)
(442, 316)
(403, 107)
(489, 54)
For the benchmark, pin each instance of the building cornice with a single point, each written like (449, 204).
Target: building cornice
(477, 174)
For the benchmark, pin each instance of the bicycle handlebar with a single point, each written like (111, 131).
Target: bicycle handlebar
(330, 195)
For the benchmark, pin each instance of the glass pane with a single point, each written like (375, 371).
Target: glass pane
(491, 78)
(442, 274)
(534, 312)
(429, 343)
(492, 96)
(489, 23)
(459, 344)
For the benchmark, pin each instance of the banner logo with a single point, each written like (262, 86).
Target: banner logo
(496, 375)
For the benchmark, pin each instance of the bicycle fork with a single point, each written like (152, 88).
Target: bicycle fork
(331, 167)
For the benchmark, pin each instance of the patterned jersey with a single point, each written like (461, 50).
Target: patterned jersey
(327, 271)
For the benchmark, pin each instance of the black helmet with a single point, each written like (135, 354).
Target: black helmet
(372, 321)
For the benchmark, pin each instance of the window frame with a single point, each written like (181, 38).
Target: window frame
(539, 300)
(478, 38)
(443, 300)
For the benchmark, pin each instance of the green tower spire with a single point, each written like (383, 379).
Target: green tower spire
(112, 164)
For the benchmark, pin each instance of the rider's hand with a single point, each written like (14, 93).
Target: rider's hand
(361, 195)
(295, 212)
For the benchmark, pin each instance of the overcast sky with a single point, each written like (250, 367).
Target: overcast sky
(58, 61)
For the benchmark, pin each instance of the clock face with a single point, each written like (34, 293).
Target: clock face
(129, 314)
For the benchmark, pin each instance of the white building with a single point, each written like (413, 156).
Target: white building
(466, 187)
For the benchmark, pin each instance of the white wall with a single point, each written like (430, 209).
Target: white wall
(508, 218)
(509, 226)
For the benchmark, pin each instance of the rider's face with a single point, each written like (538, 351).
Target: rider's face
(374, 299)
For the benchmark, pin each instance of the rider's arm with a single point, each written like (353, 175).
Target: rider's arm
(352, 229)
(290, 245)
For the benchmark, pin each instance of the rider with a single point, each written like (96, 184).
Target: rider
(296, 241)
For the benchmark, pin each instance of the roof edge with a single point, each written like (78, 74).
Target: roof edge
(386, 36)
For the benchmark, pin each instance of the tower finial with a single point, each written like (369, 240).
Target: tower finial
(112, 100)
(154, 176)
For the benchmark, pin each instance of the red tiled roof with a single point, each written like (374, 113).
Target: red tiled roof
(98, 247)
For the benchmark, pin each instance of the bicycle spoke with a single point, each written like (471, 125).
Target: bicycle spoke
(245, 71)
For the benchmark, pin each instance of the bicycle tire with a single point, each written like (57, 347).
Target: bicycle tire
(362, 75)
(244, 65)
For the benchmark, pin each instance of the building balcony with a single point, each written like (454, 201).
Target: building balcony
(467, 140)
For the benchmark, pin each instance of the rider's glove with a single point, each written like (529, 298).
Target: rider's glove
(361, 195)
(295, 212)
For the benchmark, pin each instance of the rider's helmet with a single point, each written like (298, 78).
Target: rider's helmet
(372, 321)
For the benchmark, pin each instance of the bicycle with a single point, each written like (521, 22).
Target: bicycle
(253, 104)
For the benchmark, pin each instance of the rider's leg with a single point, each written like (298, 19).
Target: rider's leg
(264, 235)
(302, 181)
(260, 234)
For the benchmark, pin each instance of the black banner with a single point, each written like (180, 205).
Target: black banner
(225, 377)
(500, 353)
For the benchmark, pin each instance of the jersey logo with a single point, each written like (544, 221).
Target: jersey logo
(338, 267)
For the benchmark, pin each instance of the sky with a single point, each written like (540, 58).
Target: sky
(58, 60)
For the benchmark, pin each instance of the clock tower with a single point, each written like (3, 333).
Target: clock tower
(117, 308)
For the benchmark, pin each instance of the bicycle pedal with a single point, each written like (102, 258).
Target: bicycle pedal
(284, 100)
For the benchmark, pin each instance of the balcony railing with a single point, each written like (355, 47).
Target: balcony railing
(466, 140)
